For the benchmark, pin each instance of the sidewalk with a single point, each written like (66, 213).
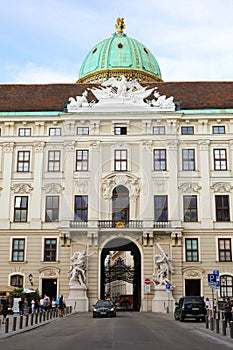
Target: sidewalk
(16, 324)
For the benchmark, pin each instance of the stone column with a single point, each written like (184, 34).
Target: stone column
(205, 199)
(36, 200)
(5, 193)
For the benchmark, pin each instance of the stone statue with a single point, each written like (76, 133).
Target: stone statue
(78, 270)
(164, 266)
(80, 101)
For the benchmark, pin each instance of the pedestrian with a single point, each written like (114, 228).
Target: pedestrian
(32, 306)
(25, 306)
(54, 305)
(5, 306)
(46, 303)
(208, 306)
(227, 311)
(20, 306)
(61, 306)
(41, 304)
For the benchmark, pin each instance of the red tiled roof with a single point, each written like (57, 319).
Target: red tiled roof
(53, 97)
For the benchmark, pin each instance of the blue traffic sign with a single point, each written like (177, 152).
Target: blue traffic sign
(168, 286)
(216, 273)
(211, 278)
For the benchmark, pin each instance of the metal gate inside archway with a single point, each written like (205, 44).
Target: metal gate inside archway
(121, 273)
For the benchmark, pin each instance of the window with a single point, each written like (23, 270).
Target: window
(82, 160)
(17, 281)
(83, 130)
(18, 247)
(54, 159)
(188, 159)
(50, 249)
(226, 286)
(120, 160)
(187, 130)
(24, 131)
(160, 208)
(52, 208)
(120, 204)
(23, 161)
(54, 131)
(21, 209)
(220, 159)
(220, 129)
(222, 208)
(190, 208)
(159, 130)
(224, 249)
(120, 130)
(191, 249)
(160, 162)
(81, 206)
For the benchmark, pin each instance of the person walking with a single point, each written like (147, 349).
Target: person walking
(227, 311)
(208, 306)
(61, 306)
(5, 305)
(21, 306)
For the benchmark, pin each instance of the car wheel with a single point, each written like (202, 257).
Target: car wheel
(176, 317)
(181, 318)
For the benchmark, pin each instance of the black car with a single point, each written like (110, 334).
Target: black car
(104, 308)
(190, 307)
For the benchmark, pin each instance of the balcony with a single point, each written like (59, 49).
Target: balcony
(78, 224)
(162, 224)
(120, 224)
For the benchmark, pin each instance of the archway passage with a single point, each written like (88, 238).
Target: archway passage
(124, 272)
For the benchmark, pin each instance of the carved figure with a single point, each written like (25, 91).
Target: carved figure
(164, 266)
(78, 270)
(80, 101)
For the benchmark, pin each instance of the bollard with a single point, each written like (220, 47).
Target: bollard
(7, 325)
(21, 322)
(217, 325)
(44, 315)
(40, 319)
(26, 320)
(211, 323)
(36, 318)
(14, 323)
(231, 329)
(223, 327)
(206, 322)
(32, 318)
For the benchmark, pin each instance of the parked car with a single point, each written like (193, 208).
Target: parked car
(190, 307)
(104, 308)
(125, 302)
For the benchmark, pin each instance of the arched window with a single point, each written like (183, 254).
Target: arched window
(120, 204)
(226, 286)
(17, 281)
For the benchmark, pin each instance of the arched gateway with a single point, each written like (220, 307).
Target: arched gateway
(118, 270)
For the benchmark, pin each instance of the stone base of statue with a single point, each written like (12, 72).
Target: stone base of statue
(78, 297)
(163, 301)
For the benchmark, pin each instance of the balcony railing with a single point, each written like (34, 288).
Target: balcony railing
(162, 224)
(78, 224)
(120, 224)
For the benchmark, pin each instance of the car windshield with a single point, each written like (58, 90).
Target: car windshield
(193, 300)
(104, 303)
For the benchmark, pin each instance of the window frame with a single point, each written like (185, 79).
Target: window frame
(55, 131)
(50, 253)
(191, 210)
(82, 208)
(220, 163)
(23, 161)
(224, 254)
(21, 209)
(192, 253)
(216, 129)
(19, 251)
(120, 130)
(160, 161)
(161, 211)
(222, 209)
(188, 162)
(25, 132)
(121, 160)
(54, 217)
(159, 129)
(54, 165)
(19, 278)
(82, 130)
(82, 160)
(187, 130)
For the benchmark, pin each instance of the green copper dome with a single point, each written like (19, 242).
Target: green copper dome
(119, 55)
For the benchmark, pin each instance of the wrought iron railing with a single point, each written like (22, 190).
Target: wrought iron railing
(120, 224)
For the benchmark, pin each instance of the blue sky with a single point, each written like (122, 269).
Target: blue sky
(46, 41)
